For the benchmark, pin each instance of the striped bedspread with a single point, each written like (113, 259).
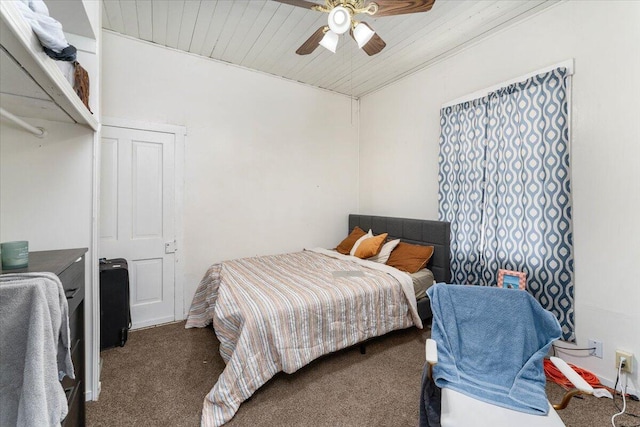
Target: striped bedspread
(278, 313)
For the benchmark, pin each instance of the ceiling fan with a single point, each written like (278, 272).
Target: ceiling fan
(341, 19)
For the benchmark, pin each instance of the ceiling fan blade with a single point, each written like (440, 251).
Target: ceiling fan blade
(299, 3)
(400, 7)
(373, 46)
(312, 42)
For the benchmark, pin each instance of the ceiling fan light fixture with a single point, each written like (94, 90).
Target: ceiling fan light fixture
(362, 33)
(330, 41)
(339, 20)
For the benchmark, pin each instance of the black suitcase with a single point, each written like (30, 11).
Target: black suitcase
(115, 314)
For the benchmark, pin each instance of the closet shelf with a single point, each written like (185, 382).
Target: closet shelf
(21, 44)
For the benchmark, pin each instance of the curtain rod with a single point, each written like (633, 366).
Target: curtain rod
(37, 131)
(568, 64)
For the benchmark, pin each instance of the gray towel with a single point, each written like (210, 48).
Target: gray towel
(34, 349)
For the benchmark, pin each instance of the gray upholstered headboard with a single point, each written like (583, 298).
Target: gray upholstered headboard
(416, 231)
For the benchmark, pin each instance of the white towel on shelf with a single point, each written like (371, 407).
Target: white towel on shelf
(48, 30)
(35, 348)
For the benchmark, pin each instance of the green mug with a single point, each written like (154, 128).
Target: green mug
(14, 254)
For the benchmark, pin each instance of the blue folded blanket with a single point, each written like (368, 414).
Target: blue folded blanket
(491, 344)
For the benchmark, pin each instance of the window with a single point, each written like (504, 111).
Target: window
(504, 184)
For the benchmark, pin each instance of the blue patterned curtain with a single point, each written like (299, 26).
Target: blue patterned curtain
(462, 164)
(525, 212)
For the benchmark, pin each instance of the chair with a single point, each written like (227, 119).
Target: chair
(486, 357)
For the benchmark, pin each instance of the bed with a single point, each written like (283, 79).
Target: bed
(419, 232)
(278, 313)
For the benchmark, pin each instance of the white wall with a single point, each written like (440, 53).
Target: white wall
(399, 150)
(270, 166)
(45, 185)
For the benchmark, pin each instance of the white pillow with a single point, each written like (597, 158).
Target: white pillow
(383, 256)
(357, 243)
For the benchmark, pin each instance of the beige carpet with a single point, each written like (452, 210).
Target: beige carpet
(160, 377)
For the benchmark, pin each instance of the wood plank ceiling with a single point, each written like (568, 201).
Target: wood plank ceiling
(263, 35)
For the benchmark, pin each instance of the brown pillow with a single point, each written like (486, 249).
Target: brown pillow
(345, 246)
(371, 246)
(410, 258)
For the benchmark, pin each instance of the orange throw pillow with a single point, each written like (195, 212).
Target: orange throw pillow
(345, 246)
(371, 246)
(410, 258)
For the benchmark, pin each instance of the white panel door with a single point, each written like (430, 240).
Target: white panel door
(137, 209)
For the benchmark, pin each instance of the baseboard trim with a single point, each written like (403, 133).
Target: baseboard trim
(153, 323)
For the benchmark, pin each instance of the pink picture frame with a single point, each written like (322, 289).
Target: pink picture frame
(510, 279)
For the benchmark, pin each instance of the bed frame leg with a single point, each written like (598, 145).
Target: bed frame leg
(363, 349)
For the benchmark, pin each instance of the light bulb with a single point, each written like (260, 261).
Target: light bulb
(339, 20)
(362, 33)
(330, 41)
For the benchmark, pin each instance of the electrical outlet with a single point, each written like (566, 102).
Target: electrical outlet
(628, 366)
(597, 352)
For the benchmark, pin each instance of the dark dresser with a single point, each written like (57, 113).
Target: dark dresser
(68, 265)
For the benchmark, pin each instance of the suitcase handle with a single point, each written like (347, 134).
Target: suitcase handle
(70, 293)
(68, 391)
